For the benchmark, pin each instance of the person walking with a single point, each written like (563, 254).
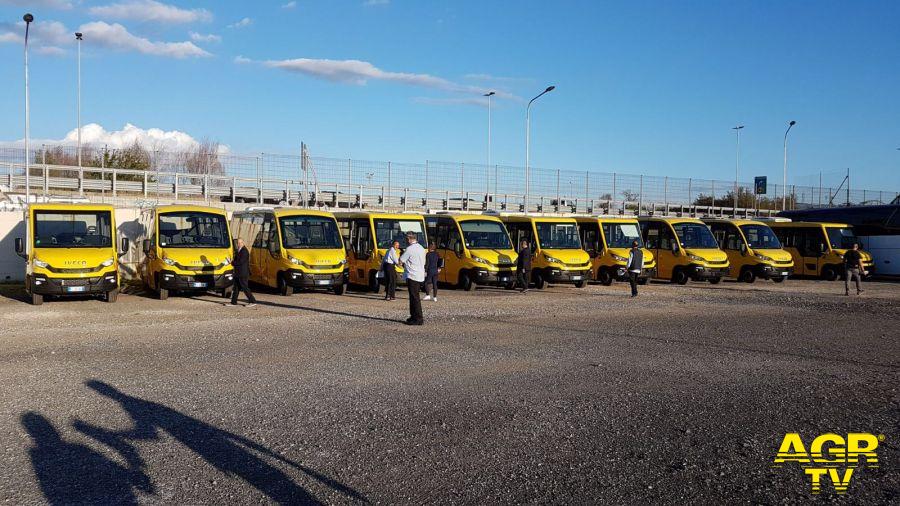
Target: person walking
(853, 268)
(433, 265)
(389, 269)
(241, 264)
(523, 266)
(634, 266)
(413, 262)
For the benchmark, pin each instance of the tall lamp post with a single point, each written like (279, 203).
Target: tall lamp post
(784, 180)
(737, 164)
(28, 18)
(528, 139)
(489, 95)
(78, 36)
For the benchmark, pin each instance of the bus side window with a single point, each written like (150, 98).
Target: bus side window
(651, 235)
(666, 237)
(732, 241)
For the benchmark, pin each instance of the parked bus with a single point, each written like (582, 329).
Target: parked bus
(818, 248)
(877, 228)
(554, 242)
(188, 249)
(685, 249)
(70, 249)
(753, 250)
(293, 249)
(476, 250)
(608, 242)
(368, 236)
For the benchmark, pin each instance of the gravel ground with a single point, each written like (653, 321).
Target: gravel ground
(561, 396)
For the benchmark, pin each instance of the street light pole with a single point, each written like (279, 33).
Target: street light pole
(28, 18)
(78, 96)
(784, 180)
(528, 139)
(489, 95)
(737, 165)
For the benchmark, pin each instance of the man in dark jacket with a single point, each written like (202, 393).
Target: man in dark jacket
(634, 266)
(433, 265)
(523, 266)
(241, 264)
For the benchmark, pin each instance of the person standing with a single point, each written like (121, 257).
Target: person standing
(241, 264)
(853, 268)
(523, 266)
(634, 266)
(389, 269)
(413, 262)
(433, 265)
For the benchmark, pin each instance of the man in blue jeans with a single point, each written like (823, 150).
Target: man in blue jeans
(433, 265)
(413, 262)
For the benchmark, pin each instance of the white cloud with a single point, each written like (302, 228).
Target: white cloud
(49, 4)
(361, 72)
(376, 2)
(242, 23)
(289, 5)
(93, 134)
(242, 59)
(210, 37)
(150, 10)
(115, 36)
(46, 37)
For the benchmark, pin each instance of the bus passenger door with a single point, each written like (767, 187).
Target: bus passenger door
(812, 245)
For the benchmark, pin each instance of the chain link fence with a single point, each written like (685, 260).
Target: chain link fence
(351, 183)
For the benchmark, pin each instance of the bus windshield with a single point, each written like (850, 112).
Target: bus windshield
(485, 234)
(841, 237)
(390, 230)
(559, 235)
(695, 235)
(66, 229)
(307, 232)
(760, 237)
(621, 235)
(191, 229)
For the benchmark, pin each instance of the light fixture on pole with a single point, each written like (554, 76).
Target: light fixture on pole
(784, 180)
(489, 95)
(528, 139)
(78, 36)
(28, 18)
(737, 164)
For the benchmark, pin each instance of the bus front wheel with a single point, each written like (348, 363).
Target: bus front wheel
(374, 282)
(539, 282)
(829, 273)
(748, 276)
(679, 277)
(604, 277)
(112, 295)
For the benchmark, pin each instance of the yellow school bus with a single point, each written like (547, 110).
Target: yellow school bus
(70, 249)
(554, 242)
(292, 249)
(368, 236)
(685, 249)
(753, 250)
(818, 248)
(188, 249)
(608, 242)
(475, 248)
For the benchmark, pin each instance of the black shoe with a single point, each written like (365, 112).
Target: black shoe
(415, 322)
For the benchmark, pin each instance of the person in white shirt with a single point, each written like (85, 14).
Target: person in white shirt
(389, 269)
(413, 262)
(634, 266)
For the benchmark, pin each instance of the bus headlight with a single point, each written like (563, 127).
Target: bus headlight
(107, 262)
(481, 260)
(343, 261)
(763, 257)
(294, 260)
(552, 260)
(618, 258)
(40, 263)
(227, 261)
(168, 261)
(696, 258)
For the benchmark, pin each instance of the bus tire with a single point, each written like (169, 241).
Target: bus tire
(284, 289)
(747, 275)
(829, 273)
(539, 282)
(604, 276)
(37, 299)
(580, 284)
(643, 281)
(374, 282)
(112, 295)
(779, 279)
(715, 281)
(465, 282)
(679, 277)
(510, 286)
(338, 289)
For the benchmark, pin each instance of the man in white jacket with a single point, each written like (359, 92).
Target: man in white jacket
(413, 261)
(634, 266)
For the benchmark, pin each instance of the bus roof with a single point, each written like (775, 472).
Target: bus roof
(466, 217)
(59, 206)
(378, 214)
(280, 212)
(807, 224)
(670, 219)
(605, 219)
(537, 219)
(736, 222)
(180, 208)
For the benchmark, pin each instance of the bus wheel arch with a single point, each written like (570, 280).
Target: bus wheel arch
(604, 276)
(747, 275)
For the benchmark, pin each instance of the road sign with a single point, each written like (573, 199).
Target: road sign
(759, 183)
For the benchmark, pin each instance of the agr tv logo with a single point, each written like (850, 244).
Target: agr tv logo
(830, 457)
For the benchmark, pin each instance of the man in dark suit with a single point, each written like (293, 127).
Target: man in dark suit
(241, 264)
(523, 266)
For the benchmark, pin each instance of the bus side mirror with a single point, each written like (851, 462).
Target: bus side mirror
(126, 244)
(743, 249)
(146, 246)
(20, 247)
(458, 248)
(822, 248)
(675, 248)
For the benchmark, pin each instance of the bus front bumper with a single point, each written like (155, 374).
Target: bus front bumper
(45, 285)
(701, 273)
(556, 275)
(766, 271)
(173, 281)
(486, 277)
(647, 273)
(306, 280)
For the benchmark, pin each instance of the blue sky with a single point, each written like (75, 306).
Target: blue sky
(651, 87)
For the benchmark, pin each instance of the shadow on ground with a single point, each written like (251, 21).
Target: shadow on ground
(73, 473)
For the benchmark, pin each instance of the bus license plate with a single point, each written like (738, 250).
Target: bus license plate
(323, 281)
(576, 278)
(198, 284)
(504, 278)
(76, 288)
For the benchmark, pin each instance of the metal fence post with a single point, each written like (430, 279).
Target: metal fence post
(557, 190)
(690, 201)
(614, 187)
(587, 191)
(44, 161)
(426, 183)
(462, 184)
(259, 179)
(641, 195)
(666, 193)
(349, 179)
(389, 184)
(206, 180)
(714, 193)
